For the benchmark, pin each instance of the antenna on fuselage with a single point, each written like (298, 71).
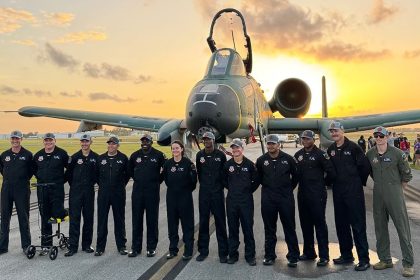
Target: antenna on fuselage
(324, 99)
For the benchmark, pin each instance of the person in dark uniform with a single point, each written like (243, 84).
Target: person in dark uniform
(278, 175)
(81, 175)
(312, 164)
(180, 177)
(210, 162)
(352, 170)
(112, 177)
(362, 143)
(16, 168)
(145, 167)
(241, 178)
(50, 164)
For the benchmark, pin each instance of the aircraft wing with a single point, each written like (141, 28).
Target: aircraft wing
(94, 120)
(351, 124)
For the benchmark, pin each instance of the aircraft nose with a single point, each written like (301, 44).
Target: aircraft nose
(213, 105)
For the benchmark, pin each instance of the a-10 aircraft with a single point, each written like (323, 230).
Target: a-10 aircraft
(229, 102)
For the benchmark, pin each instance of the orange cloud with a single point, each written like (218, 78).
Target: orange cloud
(412, 54)
(27, 42)
(380, 12)
(82, 37)
(58, 19)
(11, 19)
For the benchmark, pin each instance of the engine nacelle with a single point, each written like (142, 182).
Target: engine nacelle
(291, 98)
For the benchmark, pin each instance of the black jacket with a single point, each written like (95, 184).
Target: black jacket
(16, 168)
(180, 176)
(278, 175)
(145, 168)
(112, 172)
(241, 179)
(315, 171)
(351, 166)
(81, 170)
(50, 167)
(210, 170)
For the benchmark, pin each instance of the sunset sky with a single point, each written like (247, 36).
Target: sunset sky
(143, 57)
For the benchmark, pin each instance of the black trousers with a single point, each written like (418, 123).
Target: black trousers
(270, 210)
(180, 207)
(241, 213)
(145, 200)
(81, 203)
(350, 215)
(106, 200)
(212, 203)
(312, 215)
(51, 204)
(19, 194)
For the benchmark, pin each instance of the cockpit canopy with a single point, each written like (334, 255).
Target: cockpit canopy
(225, 62)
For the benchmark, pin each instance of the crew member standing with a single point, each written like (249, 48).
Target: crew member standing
(278, 175)
(241, 181)
(112, 176)
(391, 174)
(211, 198)
(81, 175)
(352, 170)
(16, 168)
(312, 164)
(362, 143)
(180, 177)
(50, 164)
(145, 167)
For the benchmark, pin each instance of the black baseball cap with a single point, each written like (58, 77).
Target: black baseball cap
(113, 139)
(308, 134)
(16, 134)
(49, 135)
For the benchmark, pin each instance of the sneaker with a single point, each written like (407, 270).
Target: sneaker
(343, 260)
(88, 250)
(382, 265)
(407, 272)
(292, 262)
(252, 262)
(362, 266)
(186, 257)
(232, 260)
(305, 257)
(322, 262)
(151, 253)
(201, 257)
(133, 254)
(99, 253)
(123, 251)
(171, 255)
(223, 259)
(70, 253)
(268, 261)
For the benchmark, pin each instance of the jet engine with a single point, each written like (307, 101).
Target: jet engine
(291, 98)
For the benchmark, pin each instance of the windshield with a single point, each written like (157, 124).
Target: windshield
(220, 61)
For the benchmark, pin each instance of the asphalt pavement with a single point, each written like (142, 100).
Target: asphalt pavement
(15, 265)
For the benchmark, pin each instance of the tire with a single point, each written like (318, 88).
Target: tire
(30, 252)
(53, 253)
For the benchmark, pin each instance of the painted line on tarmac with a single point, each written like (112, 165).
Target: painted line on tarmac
(169, 269)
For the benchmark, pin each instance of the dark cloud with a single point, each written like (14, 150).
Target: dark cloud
(58, 58)
(113, 72)
(346, 52)
(412, 54)
(91, 70)
(37, 92)
(7, 90)
(158, 101)
(142, 79)
(380, 12)
(71, 95)
(95, 96)
(281, 26)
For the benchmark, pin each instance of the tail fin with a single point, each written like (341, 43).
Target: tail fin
(324, 99)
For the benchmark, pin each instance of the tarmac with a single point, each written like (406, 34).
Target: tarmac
(15, 265)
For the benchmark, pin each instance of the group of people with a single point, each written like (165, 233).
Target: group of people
(344, 166)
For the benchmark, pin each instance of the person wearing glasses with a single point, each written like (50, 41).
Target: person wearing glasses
(352, 170)
(391, 174)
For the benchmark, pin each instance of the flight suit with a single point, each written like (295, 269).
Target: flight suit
(352, 170)
(312, 199)
(112, 176)
(389, 170)
(211, 200)
(81, 175)
(145, 169)
(241, 182)
(278, 178)
(17, 171)
(181, 179)
(50, 168)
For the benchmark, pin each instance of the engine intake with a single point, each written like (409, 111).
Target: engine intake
(291, 98)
